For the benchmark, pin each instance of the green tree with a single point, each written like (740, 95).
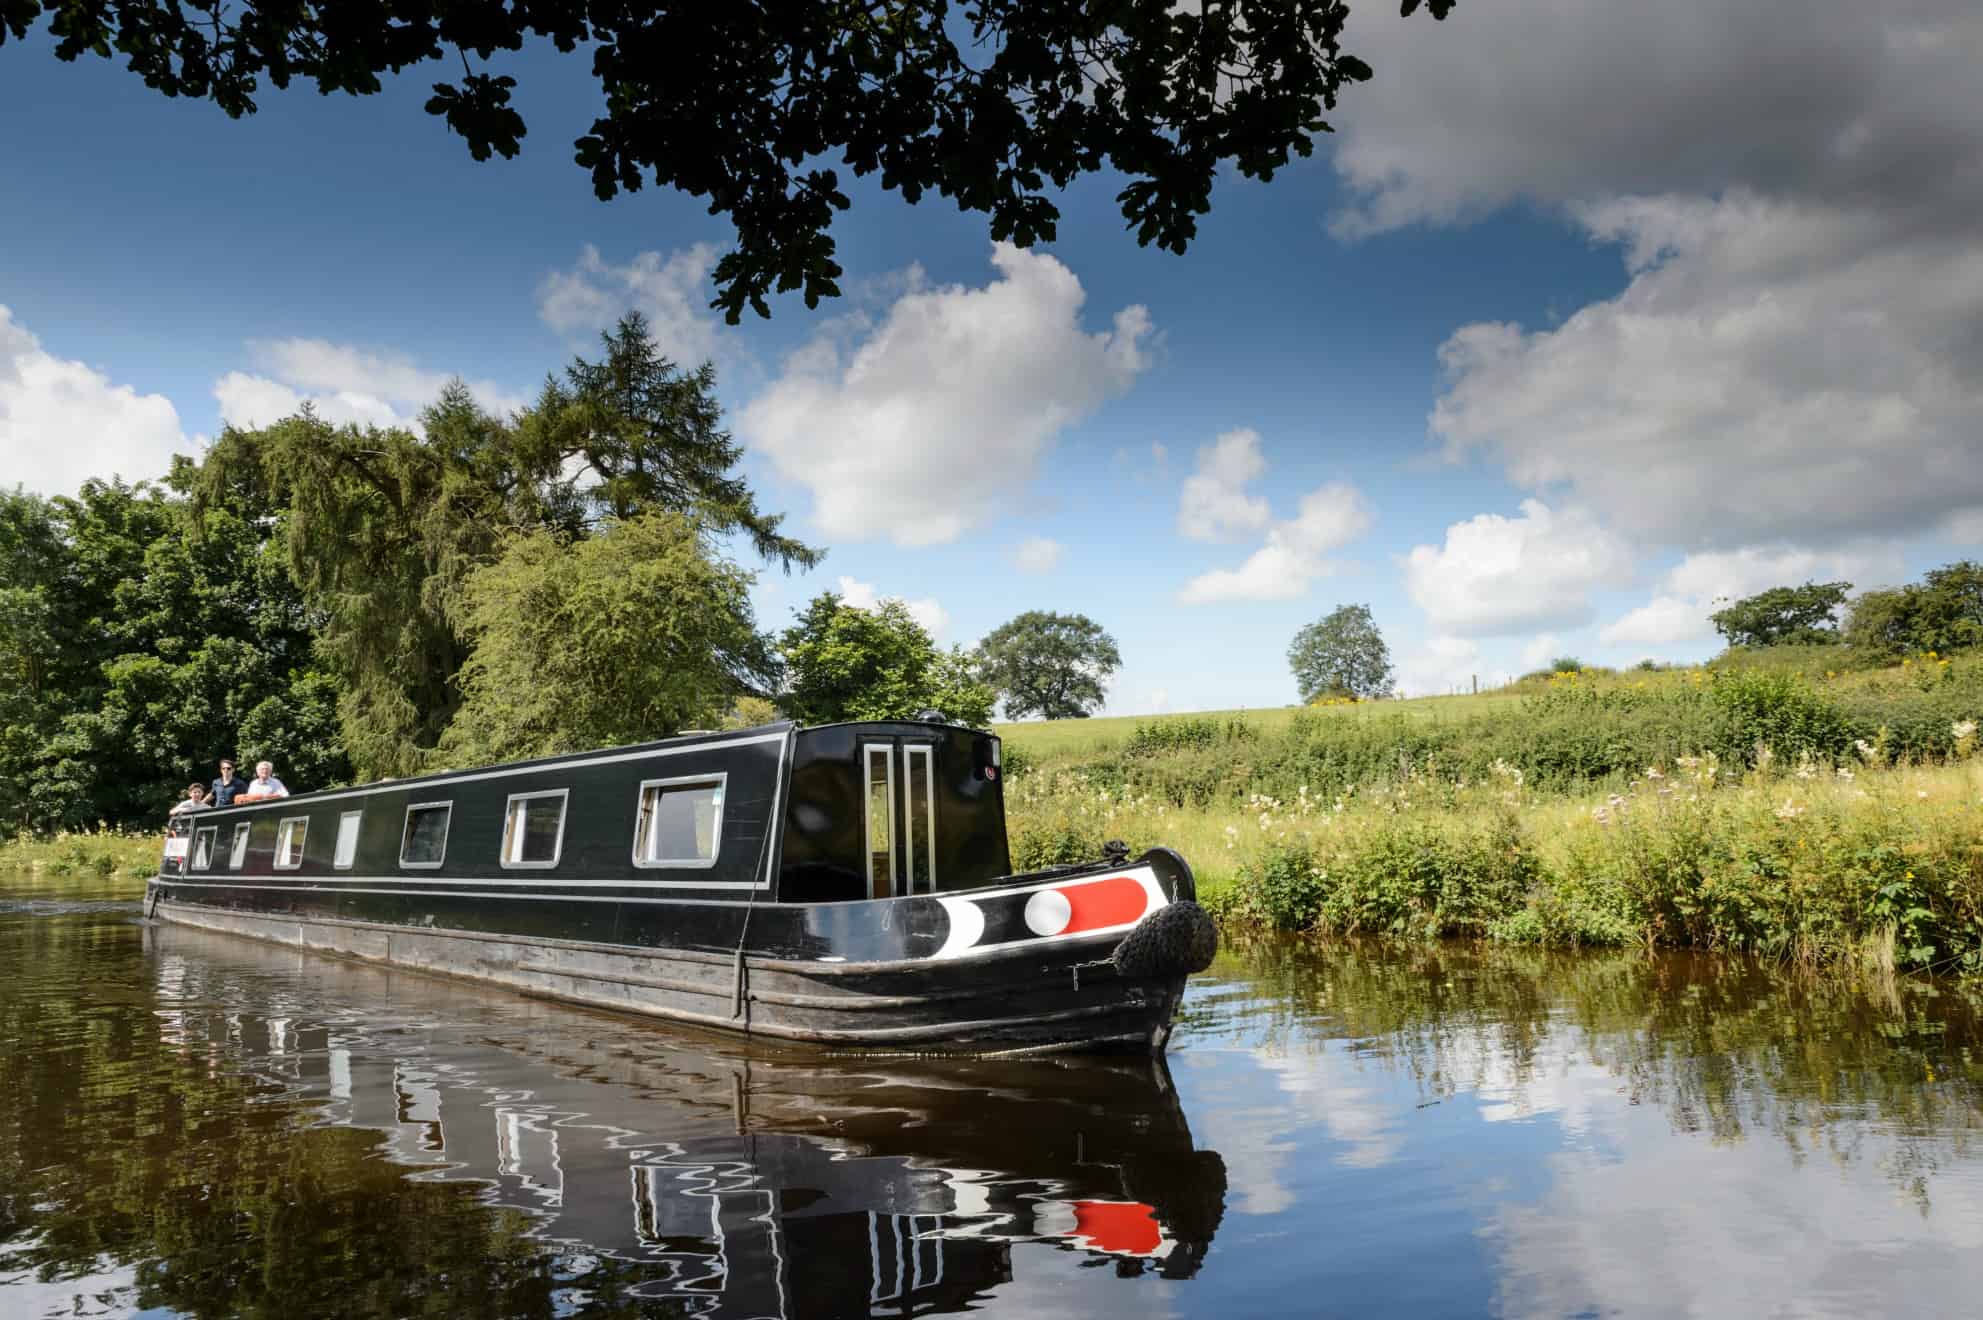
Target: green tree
(1055, 666)
(847, 663)
(1942, 612)
(633, 634)
(384, 527)
(999, 105)
(1805, 615)
(1341, 655)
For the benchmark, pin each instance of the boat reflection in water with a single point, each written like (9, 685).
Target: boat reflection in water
(740, 1182)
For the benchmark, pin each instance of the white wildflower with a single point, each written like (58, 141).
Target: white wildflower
(1844, 774)
(1789, 810)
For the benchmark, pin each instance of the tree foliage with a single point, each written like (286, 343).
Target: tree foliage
(385, 527)
(149, 641)
(1341, 655)
(633, 634)
(1943, 612)
(1805, 615)
(843, 662)
(997, 105)
(1055, 666)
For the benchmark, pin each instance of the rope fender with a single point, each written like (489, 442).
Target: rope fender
(1177, 939)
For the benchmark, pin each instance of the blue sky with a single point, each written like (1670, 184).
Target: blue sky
(1572, 328)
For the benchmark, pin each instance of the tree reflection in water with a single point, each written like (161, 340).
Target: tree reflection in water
(1725, 1048)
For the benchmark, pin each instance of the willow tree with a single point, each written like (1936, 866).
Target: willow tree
(385, 526)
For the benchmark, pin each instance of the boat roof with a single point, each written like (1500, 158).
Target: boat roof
(694, 737)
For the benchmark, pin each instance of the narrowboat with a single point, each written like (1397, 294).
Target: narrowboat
(844, 885)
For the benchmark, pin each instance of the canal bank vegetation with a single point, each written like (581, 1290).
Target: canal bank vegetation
(102, 854)
(1752, 805)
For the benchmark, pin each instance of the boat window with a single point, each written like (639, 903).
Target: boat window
(534, 828)
(880, 813)
(347, 840)
(681, 821)
(425, 841)
(289, 842)
(203, 847)
(239, 852)
(919, 763)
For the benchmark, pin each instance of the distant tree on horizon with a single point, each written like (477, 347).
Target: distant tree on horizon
(1055, 666)
(1341, 655)
(1806, 615)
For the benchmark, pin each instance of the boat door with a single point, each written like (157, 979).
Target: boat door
(899, 803)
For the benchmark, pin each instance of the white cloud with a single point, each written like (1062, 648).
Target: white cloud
(1213, 504)
(1541, 649)
(1783, 373)
(927, 612)
(1296, 552)
(1701, 583)
(1038, 554)
(1439, 666)
(63, 422)
(943, 411)
(1793, 358)
(345, 384)
(1497, 576)
(672, 292)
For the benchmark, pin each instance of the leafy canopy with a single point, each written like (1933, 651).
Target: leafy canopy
(633, 634)
(141, 641)
(385, 527)
(843, 662)
(1804, 615)
(1055, 666)
(1342, 655)
(996, 104)
(1942, 612)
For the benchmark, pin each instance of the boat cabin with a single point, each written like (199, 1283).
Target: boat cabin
(836, 812)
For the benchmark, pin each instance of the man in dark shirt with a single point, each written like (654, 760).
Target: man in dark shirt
(227, 787)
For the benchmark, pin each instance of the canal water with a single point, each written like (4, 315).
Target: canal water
(192, 1125)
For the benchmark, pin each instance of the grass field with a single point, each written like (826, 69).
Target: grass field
(1046, 738)
(1795, 804)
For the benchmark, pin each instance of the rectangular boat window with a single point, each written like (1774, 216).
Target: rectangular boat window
(880, 813)
(289, 842)
(919, 762)
(239, 852)
(203, 847)
(347, 840)
(425, 841)
(681, 821)
(534, 828)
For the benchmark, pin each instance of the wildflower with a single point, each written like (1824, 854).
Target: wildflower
(1687, 762)
(1922, 793)
(1844, 774)
(1963, 729)
(1652, 772)
(1789, 810)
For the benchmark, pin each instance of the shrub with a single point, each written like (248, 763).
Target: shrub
(1778, 711)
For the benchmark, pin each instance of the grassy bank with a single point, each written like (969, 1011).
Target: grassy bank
(105, 854)
(1824, 816)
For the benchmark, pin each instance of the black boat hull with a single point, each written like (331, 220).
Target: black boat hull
(1044, 997)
